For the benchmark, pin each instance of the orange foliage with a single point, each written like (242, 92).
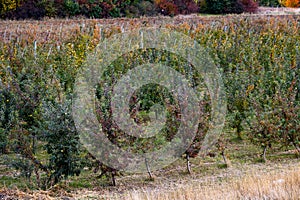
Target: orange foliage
(167, 7)
(291, 3)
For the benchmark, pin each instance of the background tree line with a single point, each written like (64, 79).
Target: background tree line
(36, 9)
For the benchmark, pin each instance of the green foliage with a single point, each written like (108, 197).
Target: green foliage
(71, 7)
(96, 12)
(8, 5)
(223, 6)
(259, 60)
(21, 164)
(30, 100)
(141, 102)
(229, 6)
(141, 8)
(271, 3)
(6, 117)
(62, 141)
(50, 8)
(275, 103)
(3, 140)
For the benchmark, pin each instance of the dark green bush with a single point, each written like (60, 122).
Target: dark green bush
(271, 3)
(143, 8)
(71, 7)
(22, 165)
(223, 6)
(6, 115)
(230, 6)
(62, 141)
(32, 9)
(50, 8)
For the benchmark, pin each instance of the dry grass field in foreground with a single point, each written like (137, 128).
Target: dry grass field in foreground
(254, 184)
(269, 186)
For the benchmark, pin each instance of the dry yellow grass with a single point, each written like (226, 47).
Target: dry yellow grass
(273, 185)
(282, 183)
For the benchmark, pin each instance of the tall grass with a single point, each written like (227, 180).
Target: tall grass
(272, 185)
(278, 184)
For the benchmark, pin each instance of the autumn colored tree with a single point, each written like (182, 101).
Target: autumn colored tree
(291, 3)
(8, 5)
